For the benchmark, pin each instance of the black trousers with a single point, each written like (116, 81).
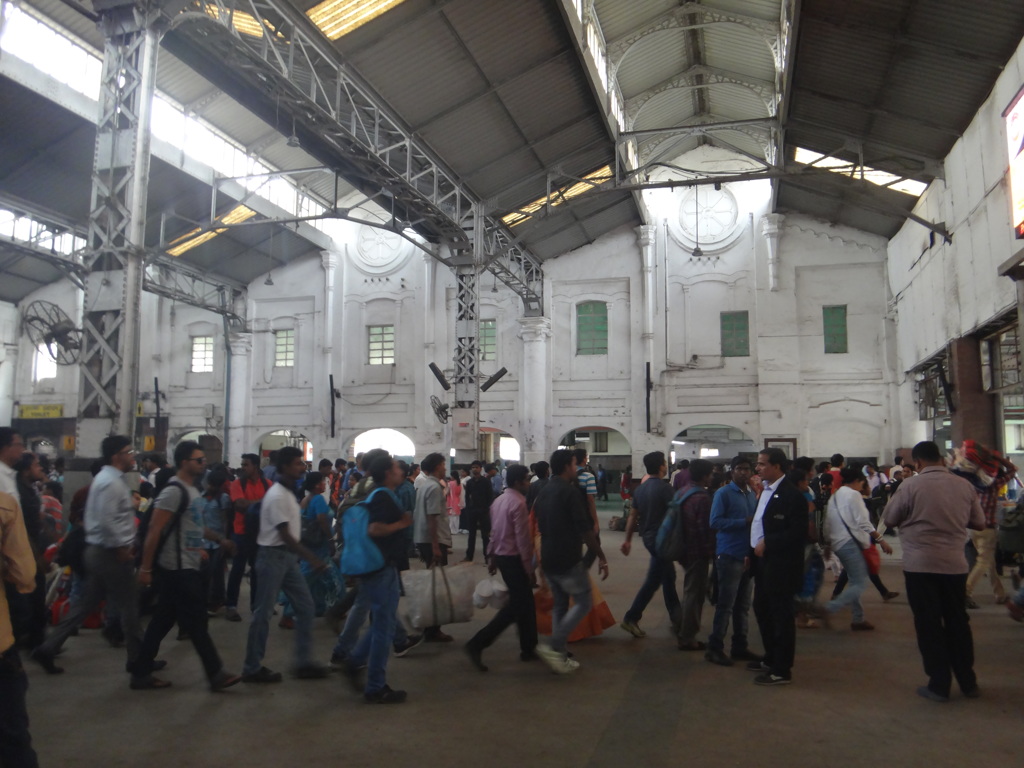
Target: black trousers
(939, 603)
(29, 616)
(214, 577)
(15, 742)
(474, 519)
(181, 600)
(777, 622)
(519, 610)
(245, 554)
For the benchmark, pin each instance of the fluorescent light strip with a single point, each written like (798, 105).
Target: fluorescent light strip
(193, 239)
(336, 18)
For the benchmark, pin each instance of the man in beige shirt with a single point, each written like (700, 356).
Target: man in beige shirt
(18, 566)
(933, 510)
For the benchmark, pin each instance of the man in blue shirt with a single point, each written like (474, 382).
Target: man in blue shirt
(731, 513)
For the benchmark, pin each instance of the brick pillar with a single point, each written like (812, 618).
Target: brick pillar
(975, 416)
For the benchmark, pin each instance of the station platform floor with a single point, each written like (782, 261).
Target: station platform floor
(633, 702)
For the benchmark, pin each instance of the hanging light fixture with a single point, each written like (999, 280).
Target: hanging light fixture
(270, 258)
(697, 252)
(293, 140)
(494, 288)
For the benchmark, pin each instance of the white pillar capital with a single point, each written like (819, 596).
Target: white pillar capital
(330, 260)
(534, 329)
(241, 344)
(645, 234)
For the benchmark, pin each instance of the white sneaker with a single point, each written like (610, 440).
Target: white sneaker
(556, 660)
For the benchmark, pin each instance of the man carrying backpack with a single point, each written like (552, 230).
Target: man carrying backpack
(699, 548)
(244, 492)
(378, 582)
(174, 549)
(277, 566)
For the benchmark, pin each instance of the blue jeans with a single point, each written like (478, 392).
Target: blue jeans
(378, 597)
(853, 562)
(735, 586)
(574, 583)
(278, 569)
(660, 573)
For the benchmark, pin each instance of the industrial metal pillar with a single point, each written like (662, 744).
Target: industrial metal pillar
(117, 223)
(466, 415)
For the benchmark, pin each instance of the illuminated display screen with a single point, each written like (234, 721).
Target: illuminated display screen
(1014, 115)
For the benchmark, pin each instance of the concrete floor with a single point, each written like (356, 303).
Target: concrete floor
(633, 702)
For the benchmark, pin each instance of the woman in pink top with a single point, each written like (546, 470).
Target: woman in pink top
(454, 496)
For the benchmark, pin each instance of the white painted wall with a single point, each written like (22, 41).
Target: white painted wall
(944, 291)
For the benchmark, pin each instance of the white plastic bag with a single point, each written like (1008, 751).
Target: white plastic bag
(438, 596)
(491, 592)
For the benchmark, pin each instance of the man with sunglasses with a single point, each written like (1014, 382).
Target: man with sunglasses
(109, 555)
(173, 549)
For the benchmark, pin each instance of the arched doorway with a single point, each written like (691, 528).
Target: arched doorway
(714, 442)
(273, 441)
(609, 451)
(390, 440)
(495, 443)
(211, 445)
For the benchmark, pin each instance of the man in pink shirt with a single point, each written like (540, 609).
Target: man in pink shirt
(511, 552)
(933, 511)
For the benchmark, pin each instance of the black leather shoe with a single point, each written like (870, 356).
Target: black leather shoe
(718, 657)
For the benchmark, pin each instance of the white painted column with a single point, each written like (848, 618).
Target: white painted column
(8, 381)
(771, 231)
(535, 388)
(241, 398)
(329, 446)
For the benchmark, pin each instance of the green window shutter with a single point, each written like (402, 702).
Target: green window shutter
(735, 334)
(834, 325)
(592, 328)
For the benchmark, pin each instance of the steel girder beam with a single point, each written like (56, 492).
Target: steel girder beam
(178, 282)
(72, 268)
(163, 275)
(294, 79)
(467, 334)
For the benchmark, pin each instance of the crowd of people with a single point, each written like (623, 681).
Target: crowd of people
(759, 533)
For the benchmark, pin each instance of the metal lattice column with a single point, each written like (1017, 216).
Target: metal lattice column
(117, 219)
(467, 331)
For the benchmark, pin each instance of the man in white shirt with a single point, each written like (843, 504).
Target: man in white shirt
(109, 555)
(277, 569)
(431, 534)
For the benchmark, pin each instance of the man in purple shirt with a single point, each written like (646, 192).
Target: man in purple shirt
(932, 510)
(511, 552)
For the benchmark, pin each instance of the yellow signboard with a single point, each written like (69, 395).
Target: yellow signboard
(149, 443)
(69, 442)
(40, 411)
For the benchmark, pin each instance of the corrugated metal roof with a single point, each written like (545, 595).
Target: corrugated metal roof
(652, 60)
(619, 18)
(738, 49)
(901, 79)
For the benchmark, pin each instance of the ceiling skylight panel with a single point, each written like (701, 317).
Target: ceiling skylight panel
(336, 18)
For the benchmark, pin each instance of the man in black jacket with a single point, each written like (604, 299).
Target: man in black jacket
(777, 536)
(477, 509)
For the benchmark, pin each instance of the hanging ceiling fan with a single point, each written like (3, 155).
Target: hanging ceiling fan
(440, 409)
(47, 325)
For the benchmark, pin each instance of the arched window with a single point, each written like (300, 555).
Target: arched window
(592, 328)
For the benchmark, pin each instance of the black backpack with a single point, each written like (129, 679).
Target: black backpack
(143, 530)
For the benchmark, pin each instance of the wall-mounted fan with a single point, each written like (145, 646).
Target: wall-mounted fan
(47, 325)
(440, 409)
